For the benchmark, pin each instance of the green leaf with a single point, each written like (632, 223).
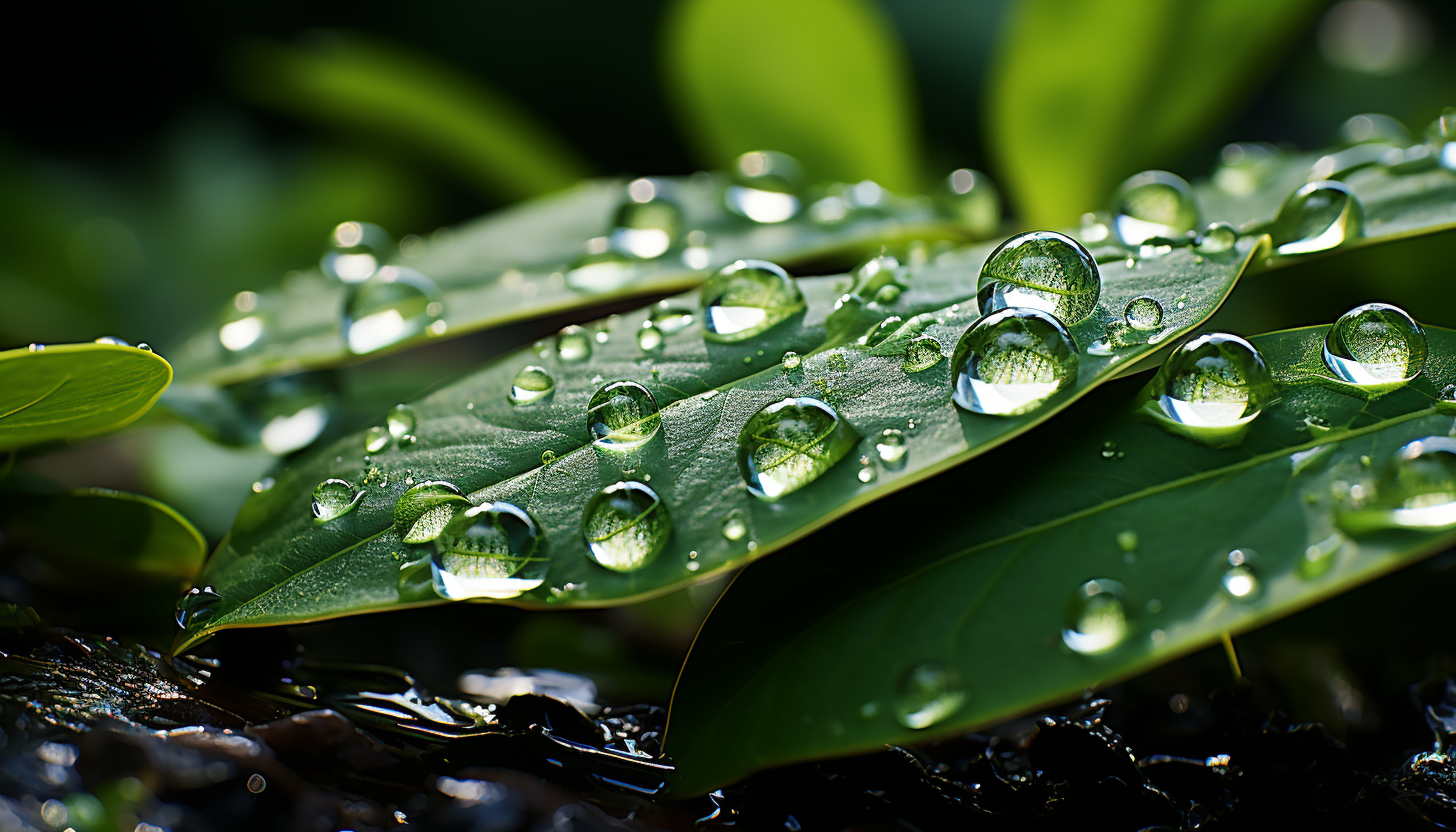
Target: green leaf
(69, 391)
(380, 90)
(100, 540)
(821, 80)
(276, 560)
(820, 672)
(1086, 93)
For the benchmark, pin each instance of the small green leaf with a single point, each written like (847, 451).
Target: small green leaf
(70, 391)
(97, 539)
(821, 80)
(820, 648)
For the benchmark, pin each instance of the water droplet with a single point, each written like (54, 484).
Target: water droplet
(488, 551)
(1239, 580)
(1214, 381)
(376, 439)
(921, 354)
(531, 385)
(765, 187)
(548, 456)
(1217, 238)
(891, 448)
(1011, 361)
(401, 424)
(1127, 540)
(1143, 313)
(1097, 618)
(789, 444)
(671, 319)
(1040, 270)
(256, 784)
(1374, 127)
(926, 694)
(196, 605)
(1375, 345)
(1416, 489)
(867, 471)
(424, 510)
(792, 360)
(626, 526)
(881, 331)
(622, 415)
(36, 348)
(112, 340)
(648, 222)
(649, 337)
(356, 251)
(394, 305)
(746, 298)
(243, 322)
(334, 498)
(973, 201)
(1153, 203)
(604, 270)
(1317, 217)
(573, 344)
(1441, 136)
(1244, 167)
(733, 526)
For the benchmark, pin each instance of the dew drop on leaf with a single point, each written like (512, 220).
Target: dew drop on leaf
(356, 251)
(648, 222)
(1040, 270)
(1374, 127)
(649, 337)
(671, 319)
(1214, 381)
(733, 526)
(401, 424)
(334, 498)
(1318, 217)
(601, 268)
(394, 305)
(882, 330)
(530, 386)
(891, 448)
(868, 472)
(488, 551)
(746, 298)
(972, 200)
(926, 694)
(1097, 617)
(1143, 313)
(789, 444)
(1217, 238)
(1154, 203)
(1375, 345)
(922, 353)
(573, 344)
(792, 360)
(376, 439)
(765, 187)
(196, 606)
(626, 526)
(1239, 579)
(244, 322)
(622, 415)
(423, 511)
(1012, 361)
(1416, 489)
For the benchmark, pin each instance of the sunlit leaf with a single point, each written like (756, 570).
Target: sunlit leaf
(69, 391)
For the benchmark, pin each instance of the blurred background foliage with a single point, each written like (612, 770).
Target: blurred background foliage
(152, 163)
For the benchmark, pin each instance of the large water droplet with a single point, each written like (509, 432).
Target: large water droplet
(1154, 203)
(1317, 217)
(746, 298)
(622, 415)
(334, 498)
(244, 321)
(1375, 345)
(928, 693)
(573, 344)
(531, 385)
(356, 251)
(1143, 313)
(972, 199)
(1214, 381)
(765, 187)
(922, 353)
(488, 551)
(196, 606)
(1239, 580)
(1416, 489)
(891, 448)
(376, 439)
(401, 423)
(648, 222)
(789, 444)
(601, 268)
(423, 511)
(1040, 270)
(1097, 617)
(1011, 361)
(626, 526)
(394, 305)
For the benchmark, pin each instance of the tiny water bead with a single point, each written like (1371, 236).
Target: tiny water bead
(922, 353)
(1012, 361)
(626, 526)
(488, 551)
(1154, 203)
(1416, 489)
(376, 439)
(196, 606)
(671, 319)
(868, 471)
(423, 511)
(648, 222)
(1143, 313)
(1217, 238)
(891, 448)
(1097, 617)
(1040, 270)
(748, 297)
(601, 268)
(243, 322)
(765, 187)
(1318, 217)
(881, 330)
(401, 424)
(789, 444)
(393, 305)
(792, 360)
(356, 251)
(733, 526)
(972, 200)
(1239, 580)
(1375, 345)
(622, 415)
(334, 498)
(1214, 381)
(113, 341)
(1441, 137)
(649, 337)
(928, 693)
(573, 344)
(531, 385)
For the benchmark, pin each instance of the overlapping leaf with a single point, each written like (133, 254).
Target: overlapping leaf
(810, 654)
(69, 391)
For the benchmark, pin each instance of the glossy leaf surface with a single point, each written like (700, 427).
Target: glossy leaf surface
(70, 391)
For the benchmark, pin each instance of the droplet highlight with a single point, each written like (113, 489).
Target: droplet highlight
(927, 694)
(1097, 617)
